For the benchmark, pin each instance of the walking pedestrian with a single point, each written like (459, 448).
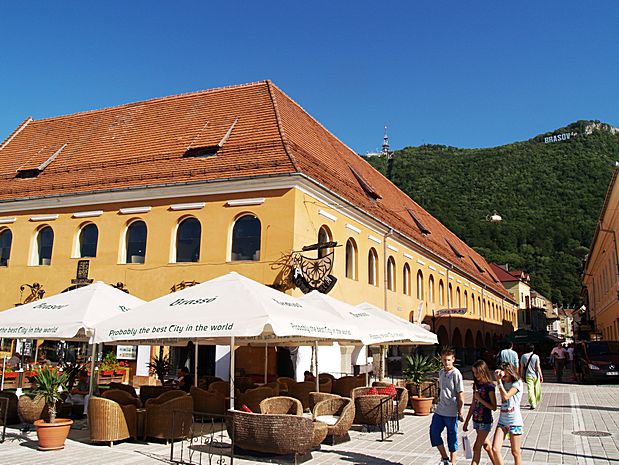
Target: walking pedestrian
(482, 406)
(510, 422)
(508, 355)
(559, 355)
(449, 409)
(570, 358)
(531, 372)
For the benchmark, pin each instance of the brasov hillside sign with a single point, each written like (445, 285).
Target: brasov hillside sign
(559, 137)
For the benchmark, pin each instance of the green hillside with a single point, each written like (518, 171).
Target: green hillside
(549, 195)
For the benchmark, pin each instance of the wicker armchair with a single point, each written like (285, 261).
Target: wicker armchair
(402, 400)
(271, 434)
(338, 413)
(124, 387)
(315, 397)
(166, 396)
(343, 386)
(252, 398)
(205, 381)
(370, 409)
(208, 402)
(285, 383)
(274, 385)
(222, 387)
(29, 409)
(108, 421)
(122, 397)
(301, 391)
(169, 420)
(281, 405)
(324, 376)
(150, 392)
(325, 385)
(12, 417)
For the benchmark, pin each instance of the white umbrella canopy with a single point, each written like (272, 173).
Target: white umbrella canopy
(228, 306)
(414, 333)
(376, 326)
(68, 315)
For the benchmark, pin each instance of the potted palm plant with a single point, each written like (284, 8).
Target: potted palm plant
(417, 371)
(49, 382)
(160, 366)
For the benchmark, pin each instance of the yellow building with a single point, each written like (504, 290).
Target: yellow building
(600, 277)
(156, 194)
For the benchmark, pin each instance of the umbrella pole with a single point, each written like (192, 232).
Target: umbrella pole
(93, 356)
(316, 364)
(195, 364)
(3, 369)
(266, 361)
(231, 372)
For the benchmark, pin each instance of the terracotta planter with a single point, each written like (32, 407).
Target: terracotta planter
(421, 405)
(52, 435)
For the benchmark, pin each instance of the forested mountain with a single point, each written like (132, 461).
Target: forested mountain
(549, 191)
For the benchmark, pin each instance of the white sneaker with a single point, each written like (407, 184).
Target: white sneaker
(445, 462)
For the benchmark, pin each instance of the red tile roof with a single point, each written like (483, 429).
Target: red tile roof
(144, 143)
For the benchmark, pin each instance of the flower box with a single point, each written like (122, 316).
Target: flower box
(12, 375)
(107, 373)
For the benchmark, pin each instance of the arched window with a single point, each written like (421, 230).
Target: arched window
(246, 238)
(351, 259)
(466, 300)
(6, 239)
(391, 274)
(324, 236)
(136, 242)
(420, 285)
(188, 236)
(45, 245)
(458, 298)
(373, 267)
(431, 289)
(88, 239)
(406, 279)
(450, 296)
(441, 292)
(479, 305)
(472, 303)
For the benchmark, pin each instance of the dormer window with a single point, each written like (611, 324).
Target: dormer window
(369, 190)
(206, 144)
(454, 249)
(422, 227)
(36, 164)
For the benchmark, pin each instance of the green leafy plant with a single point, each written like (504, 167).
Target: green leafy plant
(49, 382)
(72, 370)
(418, 369)
(109, 362)
(160, 366)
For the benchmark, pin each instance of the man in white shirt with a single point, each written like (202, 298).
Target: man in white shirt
(559, 354)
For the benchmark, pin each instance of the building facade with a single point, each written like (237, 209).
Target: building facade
(157, 195)
(600, 277)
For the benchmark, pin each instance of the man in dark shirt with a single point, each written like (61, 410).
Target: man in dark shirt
(185, 379)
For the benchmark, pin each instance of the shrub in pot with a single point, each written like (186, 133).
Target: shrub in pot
(48, 385)
(417, 370)
(160, 366)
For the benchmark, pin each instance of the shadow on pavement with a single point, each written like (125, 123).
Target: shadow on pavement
(558, 452)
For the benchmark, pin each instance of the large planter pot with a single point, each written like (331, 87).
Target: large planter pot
(52, 435)
(421, 405)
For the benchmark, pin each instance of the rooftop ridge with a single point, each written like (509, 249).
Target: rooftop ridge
(280, 126)
(16, 131)
(155, 99)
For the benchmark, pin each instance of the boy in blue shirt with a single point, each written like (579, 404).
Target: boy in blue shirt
(449, 408)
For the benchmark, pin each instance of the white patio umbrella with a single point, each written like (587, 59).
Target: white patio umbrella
(413, 332)
(69, 315)
(375, 325)
(228, 308)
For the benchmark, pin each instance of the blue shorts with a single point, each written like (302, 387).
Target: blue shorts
(439, 423)
(482, 426)
(514, 430)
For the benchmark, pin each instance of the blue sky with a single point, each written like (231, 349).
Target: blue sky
(468, 74)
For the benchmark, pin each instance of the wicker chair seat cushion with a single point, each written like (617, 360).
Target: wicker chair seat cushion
(328, 419)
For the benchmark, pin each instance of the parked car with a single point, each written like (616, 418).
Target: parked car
(597, 360)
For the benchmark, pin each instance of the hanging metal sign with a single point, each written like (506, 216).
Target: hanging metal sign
(310, 274)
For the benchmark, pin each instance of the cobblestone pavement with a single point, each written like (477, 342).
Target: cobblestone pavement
(547, 439)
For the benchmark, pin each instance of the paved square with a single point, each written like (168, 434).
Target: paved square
(547, 439)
